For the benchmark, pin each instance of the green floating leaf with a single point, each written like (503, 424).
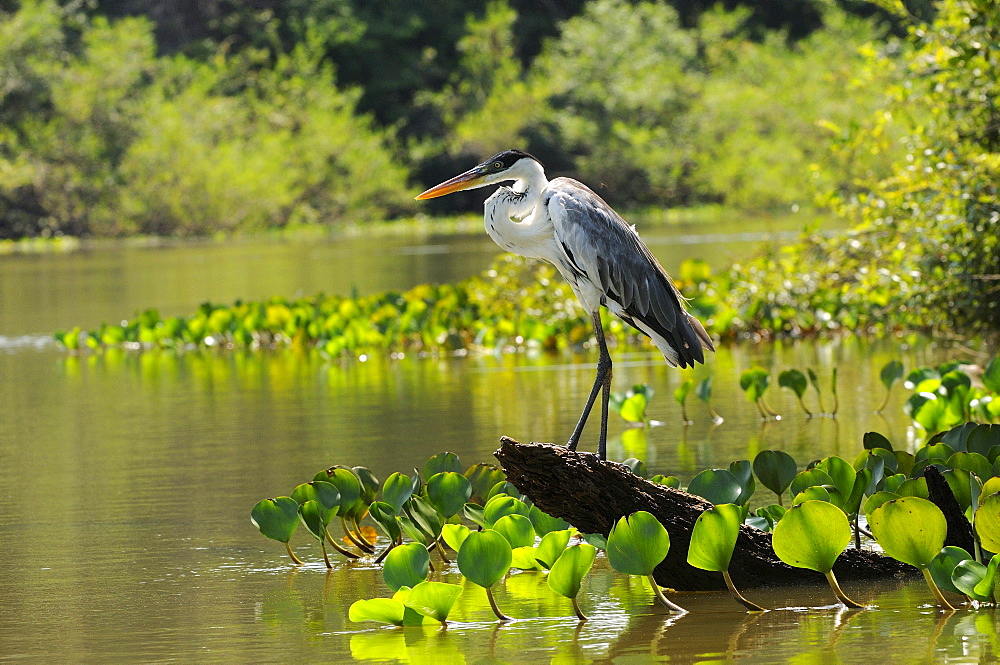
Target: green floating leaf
(637, 466)
(910, 529)
(717, 486)
(682, 391)
(276, 518)
(552, 546)
(793, 380)
(988, 522)
(545, 523)
(369, 484)
(433, 599)
(311, 515)
(810, 478)
(516, 529)
(873, 440)
(485, 557)
(383, 515)
(815, 493)
(991, 376)
(754, 383)
(714, 537)
(383, 610)
(483, 478)
(743, 471)
(775, 469)
(812, 535)
(637, 544)
(448, 491)
(406, 565)
(397, 490)
(323, 493)
(875, 501)
(524, 558)
(455, 535)
(500, 506)
(441, 463)
(349, 487)
(892, 373)
(567, 573)
(943, 565)
(967, 576)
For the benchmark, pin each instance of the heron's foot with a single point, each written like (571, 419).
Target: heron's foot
(572, 443)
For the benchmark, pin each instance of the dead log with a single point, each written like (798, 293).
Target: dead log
(940, 494)
(592, 495)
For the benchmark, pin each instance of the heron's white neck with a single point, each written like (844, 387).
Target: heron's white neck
(512, 216)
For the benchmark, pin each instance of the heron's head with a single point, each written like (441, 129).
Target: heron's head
(501, 167)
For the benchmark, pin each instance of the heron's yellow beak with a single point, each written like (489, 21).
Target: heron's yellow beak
(468, 180)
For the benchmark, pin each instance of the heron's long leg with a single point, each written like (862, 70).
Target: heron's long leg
(602, 380)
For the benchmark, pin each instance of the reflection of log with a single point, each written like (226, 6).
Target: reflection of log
(592, 495)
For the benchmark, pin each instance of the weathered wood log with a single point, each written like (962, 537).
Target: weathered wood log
(939, 492)
(592, 495)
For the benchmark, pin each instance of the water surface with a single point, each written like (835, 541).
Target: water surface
(127, 479)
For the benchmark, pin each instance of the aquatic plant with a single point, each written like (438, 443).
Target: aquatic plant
(636, 545)
(713, 540)
(568, 571)
(484, 558)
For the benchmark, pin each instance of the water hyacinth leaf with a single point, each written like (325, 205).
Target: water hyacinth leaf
(637, 466)
(349, 487)
(852, 506)
(499, 506)
(967, 576)
(414, 531)
(382, 610)
(904, 462)
(276, 518)
(483, 478)
(448, 491)
(704, 389)
(982, 439)
(942, 566)
(878, 498)
(323, 493)
(814, 493)
(454, 535)
(633, 408)
(991, 376)
(988, 523)
(441, 463)
(406, 565)
(485, 557)
(956, 437)
(919, 375)
(809, 478)
(873, 440)
(775, 469)
(717, 486)
(811, 535)
(425, 516)
(433, 599)
(369, 484)
(987, 587)
(743, 471)
(909, 529)
(840, 471)
(793, 380)
(516, 529)
(568, 571)
(961, 483)
(682, 391)
(666, 481)
(927, 410)
(504, 488)
(713, 538)
(383, 515)
(596, 539)
(991, 486)
(894, 481)
(971, 462)
(552, 545)
(914, 487)
(891, 373)
(754, 383)
(523, 558)
(396, 490)
(940, 452)
(637, 544)
(311, 515)
(545, 523)
(474, 512)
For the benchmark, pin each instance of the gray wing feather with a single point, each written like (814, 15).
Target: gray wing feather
(609, 253)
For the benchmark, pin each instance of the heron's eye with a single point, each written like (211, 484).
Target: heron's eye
(498, 165)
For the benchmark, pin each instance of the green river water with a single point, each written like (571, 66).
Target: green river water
(126, 479)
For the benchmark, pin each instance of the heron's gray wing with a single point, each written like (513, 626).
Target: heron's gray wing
(609, 253)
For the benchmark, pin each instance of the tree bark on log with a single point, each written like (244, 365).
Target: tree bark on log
(592, 495)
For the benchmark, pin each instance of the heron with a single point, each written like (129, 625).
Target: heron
(564, 222)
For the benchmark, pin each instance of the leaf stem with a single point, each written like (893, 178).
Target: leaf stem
(753, 607)
(297, 560)
(339, 548)
(354, 539)
(839, 593)
(663, 599)
(576, 608)
(326, 557)
(493, 605)
(938, 596)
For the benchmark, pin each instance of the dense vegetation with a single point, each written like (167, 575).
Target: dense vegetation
(190, 119)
